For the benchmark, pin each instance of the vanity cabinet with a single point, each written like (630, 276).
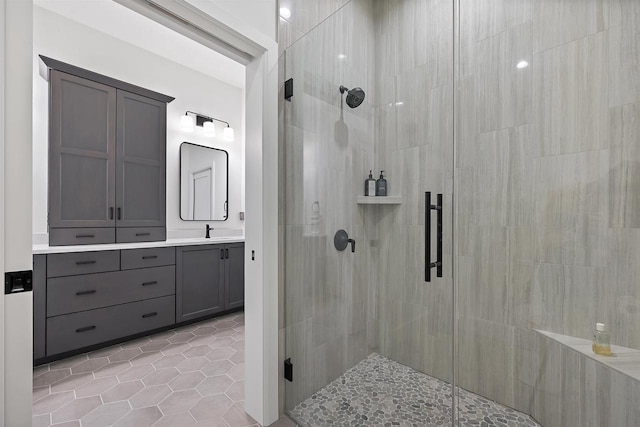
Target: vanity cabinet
(107, 159)
(209, 280)
(83, 300)
(234, 276)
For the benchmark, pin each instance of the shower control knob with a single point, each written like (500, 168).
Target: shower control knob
(341, 240)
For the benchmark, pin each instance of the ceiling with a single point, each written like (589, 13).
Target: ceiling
(122, 23)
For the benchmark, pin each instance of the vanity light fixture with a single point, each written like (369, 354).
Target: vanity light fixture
(209, 129)
(207, 123)
(228, 134)
(186, 123)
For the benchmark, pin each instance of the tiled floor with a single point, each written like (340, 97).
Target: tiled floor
(190, 376)
(381, 392)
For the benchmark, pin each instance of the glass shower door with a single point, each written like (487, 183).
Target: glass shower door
(368, 338)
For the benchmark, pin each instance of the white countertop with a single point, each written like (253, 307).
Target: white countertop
(46, 249)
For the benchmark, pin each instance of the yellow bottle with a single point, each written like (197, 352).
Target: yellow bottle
(601, 340)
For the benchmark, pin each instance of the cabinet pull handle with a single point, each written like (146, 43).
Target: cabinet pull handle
(84, 236)
(226, 253)
(111, 212)
(119, 214)
(149, 256)
(221, 253)
(93, 291)
(150, 283)
(143, 234)
(85, 262)
(144, 316)
(86, 328)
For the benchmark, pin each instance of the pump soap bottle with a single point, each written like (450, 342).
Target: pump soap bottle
(370, 185)
(381, 185)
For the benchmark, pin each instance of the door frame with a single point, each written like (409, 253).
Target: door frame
(232, 37)
(16, 321)
(2, 192)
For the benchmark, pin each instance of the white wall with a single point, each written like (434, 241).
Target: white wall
(258, 14)
(69, 41)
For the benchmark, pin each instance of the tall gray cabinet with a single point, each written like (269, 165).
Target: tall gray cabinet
(107, 159)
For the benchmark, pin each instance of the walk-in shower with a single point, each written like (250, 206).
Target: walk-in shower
(521, 119)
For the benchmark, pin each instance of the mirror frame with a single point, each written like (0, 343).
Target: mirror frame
(180, 183)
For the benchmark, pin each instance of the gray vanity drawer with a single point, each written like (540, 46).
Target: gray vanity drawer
(81, 236)
(141, 234)
(79, 293)
(148, 257)
(73, 331)
(82, 263)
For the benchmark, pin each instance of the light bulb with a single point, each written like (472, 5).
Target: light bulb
(186, 123)
(228, 134)
(209, 129)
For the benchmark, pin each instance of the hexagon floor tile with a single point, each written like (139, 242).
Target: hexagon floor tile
(168, 378)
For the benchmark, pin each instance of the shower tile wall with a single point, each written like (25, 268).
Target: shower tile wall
(547, 193)
(326, 150)
(414, 145)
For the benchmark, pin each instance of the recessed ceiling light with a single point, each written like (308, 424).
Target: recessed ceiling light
(285, 13)
(522, 64)
(399, 103)
(341, 56)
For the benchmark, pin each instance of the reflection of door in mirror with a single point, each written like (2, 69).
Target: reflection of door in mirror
(203, 197)
(203, 183)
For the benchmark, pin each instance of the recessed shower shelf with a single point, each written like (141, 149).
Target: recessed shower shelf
(379, 200)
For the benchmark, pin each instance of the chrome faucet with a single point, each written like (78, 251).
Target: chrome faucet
(209, 228)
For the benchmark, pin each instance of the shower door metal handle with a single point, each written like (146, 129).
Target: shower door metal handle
(428, 264)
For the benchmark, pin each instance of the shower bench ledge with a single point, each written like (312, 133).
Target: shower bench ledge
(624, 360)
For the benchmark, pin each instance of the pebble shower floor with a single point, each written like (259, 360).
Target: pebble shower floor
(381, 392)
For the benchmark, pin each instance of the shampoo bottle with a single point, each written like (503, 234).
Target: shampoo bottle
(381, 185)
(370, 185)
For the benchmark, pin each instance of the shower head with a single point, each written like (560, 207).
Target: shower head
(355, 96)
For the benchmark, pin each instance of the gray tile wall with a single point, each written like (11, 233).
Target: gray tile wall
(546, 231)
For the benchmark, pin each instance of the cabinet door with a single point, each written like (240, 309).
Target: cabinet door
(141, 159)
(234, 275)
(199, 281)
(82, 151)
